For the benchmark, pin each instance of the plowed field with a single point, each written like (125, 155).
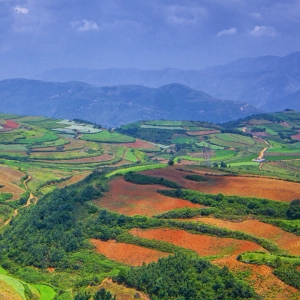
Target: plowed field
(132, 199)
(11, 180)
(285, 240)
(204, 245)
(139, 144)
(262, 279)
(128, 254)
(11, 124)
(260, 187)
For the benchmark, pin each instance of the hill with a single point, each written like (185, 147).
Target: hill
(156, 208)
(260, 81)
(113, 106)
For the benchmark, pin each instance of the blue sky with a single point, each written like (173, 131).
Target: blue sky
(37, 35)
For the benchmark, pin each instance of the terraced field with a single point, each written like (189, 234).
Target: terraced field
(129, 223)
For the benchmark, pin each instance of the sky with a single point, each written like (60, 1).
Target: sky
(38, 35)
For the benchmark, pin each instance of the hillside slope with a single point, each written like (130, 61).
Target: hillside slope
(113, 106)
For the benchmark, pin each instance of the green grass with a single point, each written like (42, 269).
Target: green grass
(108, 137)
(238, 164)
(262, 258)
(163, 123)
(182, 139)
(162, 127)
(130, 156)
(213, 147)
(135, 169)
(46, 291)
(3, 271)
(15, 284)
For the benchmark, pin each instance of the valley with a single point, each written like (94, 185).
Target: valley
(83, 207)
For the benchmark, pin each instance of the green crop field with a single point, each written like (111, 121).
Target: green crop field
(164, 123)
(108, 137)
(162, 127)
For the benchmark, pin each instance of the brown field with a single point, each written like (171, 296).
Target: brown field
(285, 124)
(132, 199)
(75, 178)
(204, 245)
(8, 292)
(285, 240)
(260, 187)
(10, 178)
(120, 291)
(261, 279)
(126, 253)
(138, 144)
(202, 132)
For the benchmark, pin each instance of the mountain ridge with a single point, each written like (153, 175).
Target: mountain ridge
(257, 80)
(113, 106)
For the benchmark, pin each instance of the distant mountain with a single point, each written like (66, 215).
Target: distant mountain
(113, 106)
(258, 81)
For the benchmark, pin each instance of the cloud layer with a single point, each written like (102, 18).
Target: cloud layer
(39, 35)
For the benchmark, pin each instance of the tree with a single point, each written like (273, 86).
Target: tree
(83, 296)
(171, 162)
(223, 165)
(102, 294)
(293, 211)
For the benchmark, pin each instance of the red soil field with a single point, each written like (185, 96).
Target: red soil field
(261, 279)
(285, 124)
(11, 124)
(204, 245)
(285, 240)
(139, 144)
(202, 132)
(132, 199)
(296, 137)
(126, 253)
(260, 187)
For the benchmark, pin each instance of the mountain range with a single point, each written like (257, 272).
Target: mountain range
(114, 106)
(269, 82)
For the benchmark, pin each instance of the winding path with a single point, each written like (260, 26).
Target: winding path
(31, 199)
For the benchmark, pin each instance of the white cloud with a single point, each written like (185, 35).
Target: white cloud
(21, 10)
(85, 25)
(231, 31)
(263, 31)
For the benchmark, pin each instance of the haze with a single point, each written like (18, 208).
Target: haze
(147, 34)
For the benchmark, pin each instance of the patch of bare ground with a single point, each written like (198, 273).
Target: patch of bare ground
(74, 179)
(285, 240)
(260, 187)
(140, 144)
(135, 199)
(120, 291)
(126, 253)
(261, 278)
(204, 245)
(11, 179)
(296, 137)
